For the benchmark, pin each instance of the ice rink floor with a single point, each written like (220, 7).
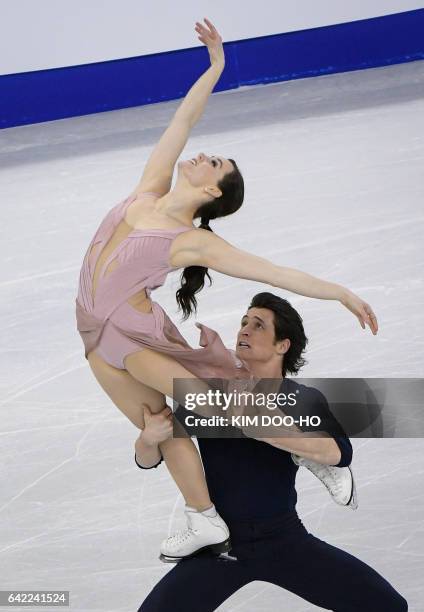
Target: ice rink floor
(334, 187)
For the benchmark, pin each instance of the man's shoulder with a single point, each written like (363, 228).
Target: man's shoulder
(302, 391)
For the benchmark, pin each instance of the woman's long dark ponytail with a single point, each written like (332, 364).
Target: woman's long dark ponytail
(193, 277)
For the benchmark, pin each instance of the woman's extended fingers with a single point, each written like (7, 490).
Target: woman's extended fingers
(361, 321)
(205, 33)
(366, 316)
(209, 29)
(363, 312)
(372, 319)
(202, 34)
(211, 26)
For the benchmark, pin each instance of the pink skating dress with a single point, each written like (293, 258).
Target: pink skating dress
(114, 328)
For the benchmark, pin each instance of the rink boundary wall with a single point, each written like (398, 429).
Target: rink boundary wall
(48, 95)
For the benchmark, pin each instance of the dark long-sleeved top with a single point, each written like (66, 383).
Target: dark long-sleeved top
(250, 479)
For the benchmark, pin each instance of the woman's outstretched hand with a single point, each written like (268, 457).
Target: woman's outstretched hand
(361, 310)
(210, 37)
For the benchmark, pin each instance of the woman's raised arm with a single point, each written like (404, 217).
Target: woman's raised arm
(157, 175)
(203, 248)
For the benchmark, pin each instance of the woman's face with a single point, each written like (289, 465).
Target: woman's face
(204, 170)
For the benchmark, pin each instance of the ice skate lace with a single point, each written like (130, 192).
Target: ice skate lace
(181, 537)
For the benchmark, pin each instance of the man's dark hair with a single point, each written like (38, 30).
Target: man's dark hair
(287, 324)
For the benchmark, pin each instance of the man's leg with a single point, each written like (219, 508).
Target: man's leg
(199, 584)
(331, 578)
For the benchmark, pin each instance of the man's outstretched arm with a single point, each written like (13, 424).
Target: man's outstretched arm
(329, 445)
(321, 450)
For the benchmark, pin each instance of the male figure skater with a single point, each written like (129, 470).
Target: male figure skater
(252, 484)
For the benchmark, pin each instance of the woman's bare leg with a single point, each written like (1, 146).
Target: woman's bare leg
(180, 454)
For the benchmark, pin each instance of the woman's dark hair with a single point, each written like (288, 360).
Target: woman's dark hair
(193, 277)
(287, 324)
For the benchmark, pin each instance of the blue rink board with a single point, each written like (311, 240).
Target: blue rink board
(46, 95)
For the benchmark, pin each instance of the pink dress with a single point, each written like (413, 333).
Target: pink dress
(114, 328)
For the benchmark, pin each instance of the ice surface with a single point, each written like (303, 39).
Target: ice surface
(334, 186)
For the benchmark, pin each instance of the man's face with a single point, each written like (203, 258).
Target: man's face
(255, 339)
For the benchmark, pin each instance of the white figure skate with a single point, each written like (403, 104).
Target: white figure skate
(205, 532)
(338, 480)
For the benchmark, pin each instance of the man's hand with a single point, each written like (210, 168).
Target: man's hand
(210, 37)
(157, 425)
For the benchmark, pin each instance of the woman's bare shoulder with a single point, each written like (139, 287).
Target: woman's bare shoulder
(198, 237)
(190, 245)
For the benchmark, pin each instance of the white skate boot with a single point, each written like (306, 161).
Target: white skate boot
(338, 480)
(206, 531)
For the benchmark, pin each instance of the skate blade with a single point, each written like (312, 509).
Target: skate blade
(165, 559)
(216, 549)
(353, 502)
(227, 557)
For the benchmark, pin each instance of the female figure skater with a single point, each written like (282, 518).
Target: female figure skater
(133, 348)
